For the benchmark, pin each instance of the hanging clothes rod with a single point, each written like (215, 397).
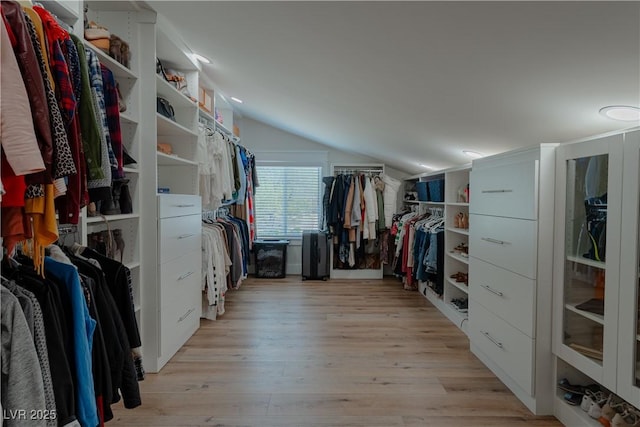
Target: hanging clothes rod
(353, 171)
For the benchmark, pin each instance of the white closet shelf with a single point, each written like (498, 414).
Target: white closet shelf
(457, 204)
(61, 10)
(113, 6)
(167, 127)
(458, 257)
(458, 230)
(127, 119)
(464, 288)
(587, 261)
(120, 217)
(431, 203)
(587, 314)
(169, 160)
(130, 170)
(411, 201)
(119, 71)
(573, 415)
(174, 96)
(132, 265)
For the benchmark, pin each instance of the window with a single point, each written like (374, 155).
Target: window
(288, 201)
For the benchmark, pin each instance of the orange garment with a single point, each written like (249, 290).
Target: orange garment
(42, 215)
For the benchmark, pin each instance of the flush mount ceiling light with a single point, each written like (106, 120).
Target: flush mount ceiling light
(624, 113)
(239, 101)
(425, 166)
(472, 154)
(201, 58)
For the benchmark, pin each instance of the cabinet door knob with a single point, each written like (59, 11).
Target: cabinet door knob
(496, 241)
(184, 236)
(497, 191)
(493, 291)
(492, 339)
(185, 275)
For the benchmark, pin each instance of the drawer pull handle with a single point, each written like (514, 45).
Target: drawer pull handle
(493, 291)
(497, 191)
(493, 340)
(496, 241)
(185, 275)
(184, 316)
(184, 236)
(190, 205)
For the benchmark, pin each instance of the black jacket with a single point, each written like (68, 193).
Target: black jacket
(118, 279)
(123, 376)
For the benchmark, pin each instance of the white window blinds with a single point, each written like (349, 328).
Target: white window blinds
(288, 201)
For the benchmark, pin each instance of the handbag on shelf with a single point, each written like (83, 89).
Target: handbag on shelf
(165, 148)
(164, 107)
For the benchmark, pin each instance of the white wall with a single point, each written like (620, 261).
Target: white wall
(260, 137)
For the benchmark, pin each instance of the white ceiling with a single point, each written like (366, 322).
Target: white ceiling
(417, 82)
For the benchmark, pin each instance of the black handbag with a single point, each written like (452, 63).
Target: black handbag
(164, 107)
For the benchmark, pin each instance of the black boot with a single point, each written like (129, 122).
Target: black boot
(112, 207)
(126, 204)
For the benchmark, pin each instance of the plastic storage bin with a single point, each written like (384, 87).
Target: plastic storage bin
(421, 188)
(271, 258)
(436, 190)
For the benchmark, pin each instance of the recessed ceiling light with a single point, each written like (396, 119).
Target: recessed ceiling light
(473, 154)
(201, 58)
(239, 101)
(623, 113)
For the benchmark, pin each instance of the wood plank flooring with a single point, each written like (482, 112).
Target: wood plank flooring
(289, 353)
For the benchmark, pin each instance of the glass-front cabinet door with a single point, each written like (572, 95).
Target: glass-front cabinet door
(586, 271)
(629, 317)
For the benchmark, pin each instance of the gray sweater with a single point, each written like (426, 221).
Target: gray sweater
(23, 400)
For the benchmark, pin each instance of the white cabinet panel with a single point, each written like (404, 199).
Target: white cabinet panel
(508, 190)
(509, 348)
(170, 205)
(505, 242)
(506, 294)
(179, 235)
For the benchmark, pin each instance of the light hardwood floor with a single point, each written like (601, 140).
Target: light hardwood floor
(289, 353)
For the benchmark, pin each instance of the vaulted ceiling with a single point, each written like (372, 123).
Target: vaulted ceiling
(415, 83)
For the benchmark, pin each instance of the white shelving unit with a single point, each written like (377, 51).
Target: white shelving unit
(615, 336)
(453, 180)
(125, 20)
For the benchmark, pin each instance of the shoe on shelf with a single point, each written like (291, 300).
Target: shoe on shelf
(595, 410)
(573, 399)
(628, 418)
(565, 385)
(613, 406)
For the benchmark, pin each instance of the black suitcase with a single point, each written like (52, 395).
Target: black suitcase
(315, 255)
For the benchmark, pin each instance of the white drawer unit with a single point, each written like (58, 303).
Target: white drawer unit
(179, 320)
(179, 271)
(508, 295)
(514, 197)
(506, 242)
(506, 346)
(179, 235)
(510, 270)
(180, 276)
(170, 205)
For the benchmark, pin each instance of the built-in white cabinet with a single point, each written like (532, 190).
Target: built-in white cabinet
(511, 247)
(596, 270)
(629, 311)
